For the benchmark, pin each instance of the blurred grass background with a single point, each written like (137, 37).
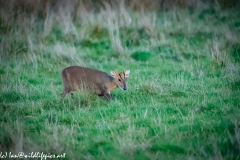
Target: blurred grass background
(183, 91)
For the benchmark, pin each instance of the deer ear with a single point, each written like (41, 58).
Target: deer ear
(127, 72)
(113, 74)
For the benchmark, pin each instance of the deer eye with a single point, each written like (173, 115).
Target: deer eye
(119, 80)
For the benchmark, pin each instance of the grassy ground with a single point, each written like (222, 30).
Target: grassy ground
(183, 91)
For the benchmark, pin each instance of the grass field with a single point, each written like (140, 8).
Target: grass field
(183, 91)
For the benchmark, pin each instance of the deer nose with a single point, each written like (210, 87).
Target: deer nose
(124, 89)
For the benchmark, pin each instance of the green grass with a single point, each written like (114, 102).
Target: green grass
(183, 91)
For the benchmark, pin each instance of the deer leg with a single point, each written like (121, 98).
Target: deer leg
(66, 91)
(107, 96)
(63, 94)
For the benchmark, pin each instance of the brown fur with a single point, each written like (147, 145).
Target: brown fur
(76, 77)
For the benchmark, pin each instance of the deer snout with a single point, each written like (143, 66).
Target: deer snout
(124, 86)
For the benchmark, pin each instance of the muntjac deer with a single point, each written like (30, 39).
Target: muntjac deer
(76, 78)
